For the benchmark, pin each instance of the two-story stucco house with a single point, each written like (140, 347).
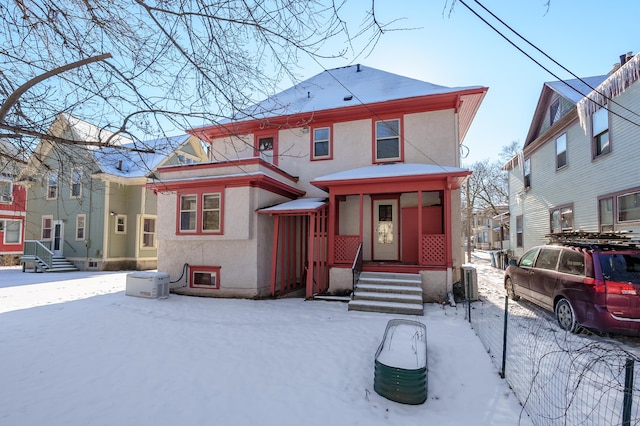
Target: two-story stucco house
(354, 166)
(12, 204)
(578, 170)
(89, 206)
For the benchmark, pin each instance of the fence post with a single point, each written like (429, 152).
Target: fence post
(628, 392)
(504, 337)
(468, 278)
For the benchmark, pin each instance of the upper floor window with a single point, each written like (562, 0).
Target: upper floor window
(266, 147)
(561, 151)
(600, 129)
(52, 187)
(387, 143)
(527, 173)
(211, 212)
(562, 219)
(554, 112)
(321, 143)
(76, 183)
(6, 191)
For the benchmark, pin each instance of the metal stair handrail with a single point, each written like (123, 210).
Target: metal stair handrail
(356, 268)
(39, 251)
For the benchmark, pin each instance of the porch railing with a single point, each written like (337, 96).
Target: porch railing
(38, 251)
(356, 268)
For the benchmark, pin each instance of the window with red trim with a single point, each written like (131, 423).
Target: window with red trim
(205, 277)
(266, 147)
(387, 141)
(200, 212)
(321, 148)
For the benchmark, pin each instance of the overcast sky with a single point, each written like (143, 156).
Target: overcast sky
(585, 36)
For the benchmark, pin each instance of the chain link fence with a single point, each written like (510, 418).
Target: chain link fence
(560, 378)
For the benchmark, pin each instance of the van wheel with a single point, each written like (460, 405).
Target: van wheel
(566, 316)
(511, 292)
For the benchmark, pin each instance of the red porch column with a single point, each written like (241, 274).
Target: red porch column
(447, 228)
(274, 255)
(420, 232)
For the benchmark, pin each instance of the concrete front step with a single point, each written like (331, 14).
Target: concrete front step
(388, 297)
(383, 288)
(386, 307)
(391, 278)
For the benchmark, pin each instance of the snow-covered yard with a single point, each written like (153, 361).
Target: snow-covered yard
(74, 350)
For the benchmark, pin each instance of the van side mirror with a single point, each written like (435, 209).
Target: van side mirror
(513, 262)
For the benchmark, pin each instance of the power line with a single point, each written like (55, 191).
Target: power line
(551, 59)
(543, 67)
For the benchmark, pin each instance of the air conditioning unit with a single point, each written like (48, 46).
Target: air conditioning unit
(149, 284)
(470, 281)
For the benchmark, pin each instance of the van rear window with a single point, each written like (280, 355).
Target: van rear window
(624, 268)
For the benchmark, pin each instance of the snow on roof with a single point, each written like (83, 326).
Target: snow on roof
(342, 87)
(575, 89)
(126, 163)
(390, 170)
(301, 204)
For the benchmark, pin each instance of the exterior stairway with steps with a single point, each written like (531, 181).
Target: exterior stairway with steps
(59, 264)
(388, 293)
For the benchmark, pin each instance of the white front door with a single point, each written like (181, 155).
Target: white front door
(58, 237)
(385, 229)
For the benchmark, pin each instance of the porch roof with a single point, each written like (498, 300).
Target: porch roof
(298, 206)
(392, 173)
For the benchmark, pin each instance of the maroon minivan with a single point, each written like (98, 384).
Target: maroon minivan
(592, 286)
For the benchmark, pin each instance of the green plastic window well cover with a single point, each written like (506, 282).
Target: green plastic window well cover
(401, 362)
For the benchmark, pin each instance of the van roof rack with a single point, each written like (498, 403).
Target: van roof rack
(602, 240)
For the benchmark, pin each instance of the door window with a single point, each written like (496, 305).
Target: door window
(548, 259)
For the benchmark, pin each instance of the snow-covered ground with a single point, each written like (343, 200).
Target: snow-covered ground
(74, 350)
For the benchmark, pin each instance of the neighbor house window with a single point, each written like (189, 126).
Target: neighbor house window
(200, 213)
(188, 212)
(266, 148)
(561, 219)
(121, 224)
(527, 173)
(205, 277)
(600, 129)
(211, 212)
(629, 207)
(605, 214)
(148, 232)
(52, 187)
(387, 142)
(80, 226)
(6, 191)
(47, 227)
(76, 184)
(519, 231)
(12, 231)
(554, 112)
(561, 151)
(321, 143)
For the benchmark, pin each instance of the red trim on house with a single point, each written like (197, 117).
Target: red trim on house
(456, 100)
(214, 270)
(258, 180)
(383, 185)
(240, 164)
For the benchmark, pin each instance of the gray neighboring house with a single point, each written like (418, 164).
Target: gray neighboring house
(91, 206)
(579, 168)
